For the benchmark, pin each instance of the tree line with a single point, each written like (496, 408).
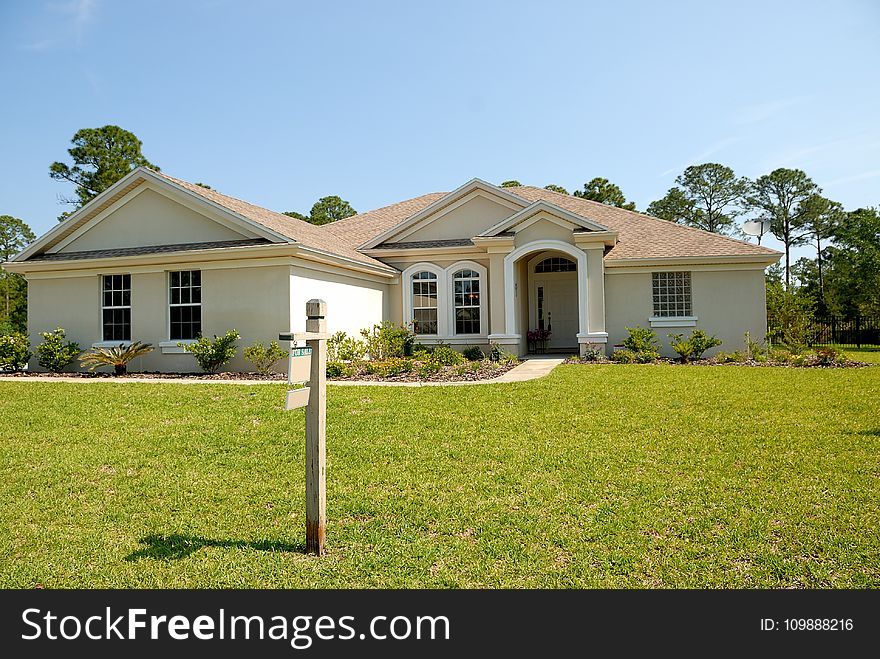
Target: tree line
(844, 276)
(842, 279)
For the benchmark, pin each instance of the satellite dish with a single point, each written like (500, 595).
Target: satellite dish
(756, 228)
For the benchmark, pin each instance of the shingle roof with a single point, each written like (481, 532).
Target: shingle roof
(640, 236)
(299, 231)
(148, 249)
(358, 229)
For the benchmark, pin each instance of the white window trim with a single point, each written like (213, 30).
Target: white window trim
(673, 321)
(110, 344)
(101, 309)
(450, 287)
(442, 305)
(170, 346)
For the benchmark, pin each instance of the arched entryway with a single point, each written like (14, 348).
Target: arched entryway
(563, 294)
(553, 302)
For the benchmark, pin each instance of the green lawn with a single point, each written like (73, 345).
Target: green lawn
(596, 476)
(870, 355)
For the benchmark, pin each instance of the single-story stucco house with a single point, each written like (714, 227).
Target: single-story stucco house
(160, 260)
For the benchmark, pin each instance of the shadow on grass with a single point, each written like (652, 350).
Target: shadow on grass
(174, 547)
(870, 433)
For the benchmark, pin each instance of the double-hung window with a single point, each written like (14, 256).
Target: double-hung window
(185, 296)
(116, 307)
(672, 294)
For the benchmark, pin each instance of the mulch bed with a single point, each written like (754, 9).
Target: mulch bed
(486, 371)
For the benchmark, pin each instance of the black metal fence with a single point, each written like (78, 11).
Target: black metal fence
(845, 332)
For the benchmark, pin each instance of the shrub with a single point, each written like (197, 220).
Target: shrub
(779, 356)
(754, 349)
(211, 355)
(6, 327)
(445, 356)
(344, 348)
(828, 356)
(386, 340)
(428, 368)
(731, 357)
(701, 342)
(338, 369)
(499, 354)
(694, 346)
(642, 342)
(473, 353)
(592, 353)
(390, 367)
(684, 347)
(15, 351)
(264, 358)
(624, 356)
(118, 356)
(54, 353)
(421, 352)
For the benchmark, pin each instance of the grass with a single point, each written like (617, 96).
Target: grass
(596, 476)
(869, 355)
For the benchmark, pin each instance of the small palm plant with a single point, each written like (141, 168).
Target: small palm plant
(118, 356)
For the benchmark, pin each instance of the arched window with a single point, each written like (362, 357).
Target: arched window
(466, 300)
(424, 302)
(556, 264)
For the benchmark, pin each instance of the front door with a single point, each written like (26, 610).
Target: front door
(555, 307)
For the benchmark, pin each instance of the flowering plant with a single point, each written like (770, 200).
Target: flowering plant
(539, 334)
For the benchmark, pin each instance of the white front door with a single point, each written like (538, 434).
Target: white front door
(555, 307)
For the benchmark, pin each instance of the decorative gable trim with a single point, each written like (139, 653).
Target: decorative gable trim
(525, 217)
(444, 205)
(123, 191)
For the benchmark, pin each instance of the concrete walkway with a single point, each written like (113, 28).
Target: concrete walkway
(531, 369)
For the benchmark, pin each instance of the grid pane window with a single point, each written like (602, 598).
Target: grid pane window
(424, 302)
(185, 289)
(672, 294)
(556, 264)
(116, 307)
(466, 298)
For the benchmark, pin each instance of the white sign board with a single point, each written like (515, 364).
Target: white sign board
(297, 398)
(298, 365)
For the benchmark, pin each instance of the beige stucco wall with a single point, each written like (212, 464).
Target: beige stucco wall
(253, 300)
(542, 230)
(150, 218)
(352, 303)
(727, 303)
(472, 217)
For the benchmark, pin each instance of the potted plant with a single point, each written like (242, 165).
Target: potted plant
(537, 339)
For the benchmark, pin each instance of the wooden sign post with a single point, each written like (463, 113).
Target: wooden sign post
(314, 399)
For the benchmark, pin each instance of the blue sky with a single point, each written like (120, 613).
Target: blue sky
(280, 103)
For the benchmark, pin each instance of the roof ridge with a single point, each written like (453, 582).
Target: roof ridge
(380, 209)
(654, 219)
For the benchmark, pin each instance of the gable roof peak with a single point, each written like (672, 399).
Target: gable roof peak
(444, 201)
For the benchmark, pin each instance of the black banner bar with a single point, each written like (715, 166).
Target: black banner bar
(434, 623)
